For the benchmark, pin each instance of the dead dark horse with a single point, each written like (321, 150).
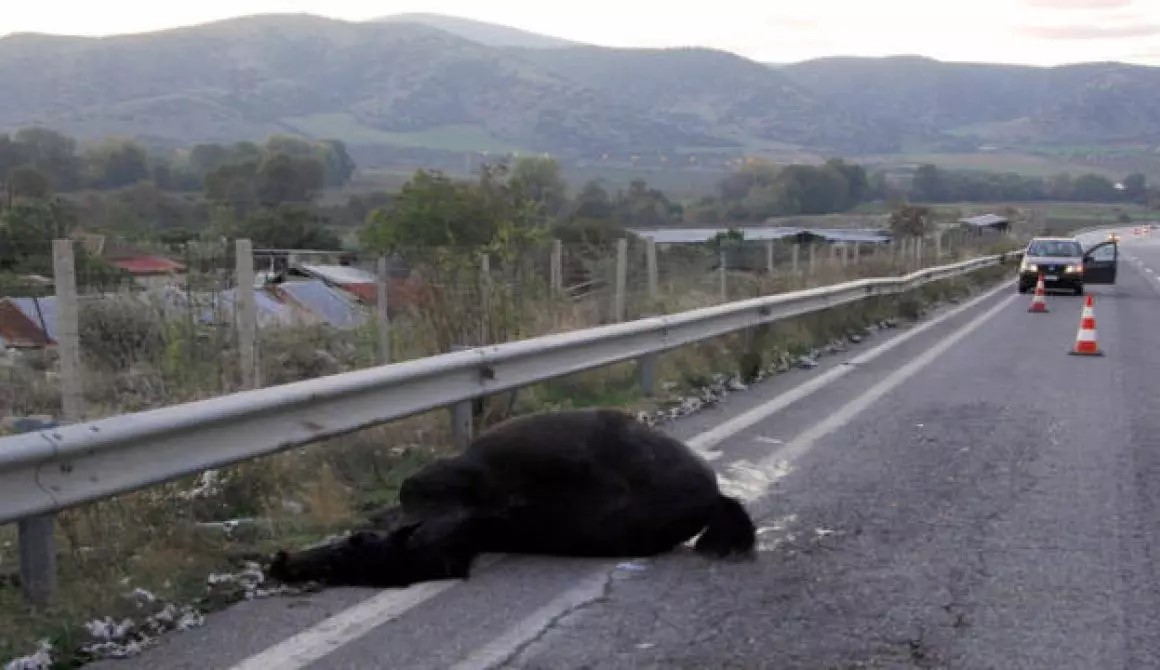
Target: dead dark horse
(593, 483)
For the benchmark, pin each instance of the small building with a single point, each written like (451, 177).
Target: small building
(150, 271)
(986, 223)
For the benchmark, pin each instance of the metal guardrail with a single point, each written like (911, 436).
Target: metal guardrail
(49, 470)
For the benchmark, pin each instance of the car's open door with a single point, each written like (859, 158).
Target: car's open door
(1100, 262)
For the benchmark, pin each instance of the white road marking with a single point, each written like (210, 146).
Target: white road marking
(706, 441)
(336, 631)
(779, 463)
(350, 624)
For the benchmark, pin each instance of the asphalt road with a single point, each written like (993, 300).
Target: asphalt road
(969, 497)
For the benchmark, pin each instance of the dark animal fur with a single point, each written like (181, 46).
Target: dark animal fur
(591, 483)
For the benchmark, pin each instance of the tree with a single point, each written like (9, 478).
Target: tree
(289, 226)
(431, 210)
(928, 184)
(1094, 188)
(233, 184)
(282, 178)
(205, 158)
(857, 183)
(538, 180)
(26, 233)
(909, 221)
(118, 163)
(27, 182)
(1136, 188)
(644, 206)
(593, 202)
(340, 166)
(53, 154)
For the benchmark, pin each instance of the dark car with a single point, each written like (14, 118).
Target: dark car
(1065, 264)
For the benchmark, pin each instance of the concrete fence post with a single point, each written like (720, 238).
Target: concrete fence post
(246, 314)
(557, 279)
(382, 320)
(619, 304)
(37, 535)
(724, 278)
(651, 263)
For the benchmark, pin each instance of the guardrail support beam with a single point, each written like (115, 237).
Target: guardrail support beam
(461, 424)
(38, 559)
(647, 365)
(155, 446)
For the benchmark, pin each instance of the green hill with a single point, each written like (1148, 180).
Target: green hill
(421, 82)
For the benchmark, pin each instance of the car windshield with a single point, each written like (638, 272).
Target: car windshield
(1061, 248)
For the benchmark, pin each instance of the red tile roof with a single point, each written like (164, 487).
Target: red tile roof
(148, 265)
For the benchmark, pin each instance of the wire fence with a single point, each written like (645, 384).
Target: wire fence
(163, 334)
(163, 327)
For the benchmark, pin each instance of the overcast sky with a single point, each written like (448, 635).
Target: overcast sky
(1041, 32)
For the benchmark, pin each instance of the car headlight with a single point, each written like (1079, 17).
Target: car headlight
(1073, 269)
(1029, 267)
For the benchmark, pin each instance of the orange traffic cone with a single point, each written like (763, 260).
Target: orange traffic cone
(1039, 302)
(1085, 339)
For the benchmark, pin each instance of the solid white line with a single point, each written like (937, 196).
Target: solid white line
(350, 624)
(321, 639)
(776, 464)
(705, 442)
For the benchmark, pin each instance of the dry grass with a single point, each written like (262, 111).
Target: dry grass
(151, 539)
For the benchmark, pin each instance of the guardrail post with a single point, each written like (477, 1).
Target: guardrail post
(247, 313)
(621, 279)
(647, 366)
(37, 539)
(797, 247)
(769, 257)
(382, 320)
(812, 267)
(462, 423)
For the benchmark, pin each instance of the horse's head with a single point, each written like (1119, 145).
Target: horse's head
(365, 558)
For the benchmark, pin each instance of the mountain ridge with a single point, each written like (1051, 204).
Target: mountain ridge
(399, 81)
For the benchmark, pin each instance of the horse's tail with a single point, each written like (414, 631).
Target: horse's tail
(730, 530)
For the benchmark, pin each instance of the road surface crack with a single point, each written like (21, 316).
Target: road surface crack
(554, 621)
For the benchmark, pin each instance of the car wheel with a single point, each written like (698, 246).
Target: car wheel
(1079, 290)
(1023, 289)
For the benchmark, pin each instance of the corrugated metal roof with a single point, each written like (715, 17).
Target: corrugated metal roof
(327, 303)
(693, 235)
(699, 235)
(17, 330)
(218, 307)
(983, 220)
(850, 235)
(338, 274)
(47, 311)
